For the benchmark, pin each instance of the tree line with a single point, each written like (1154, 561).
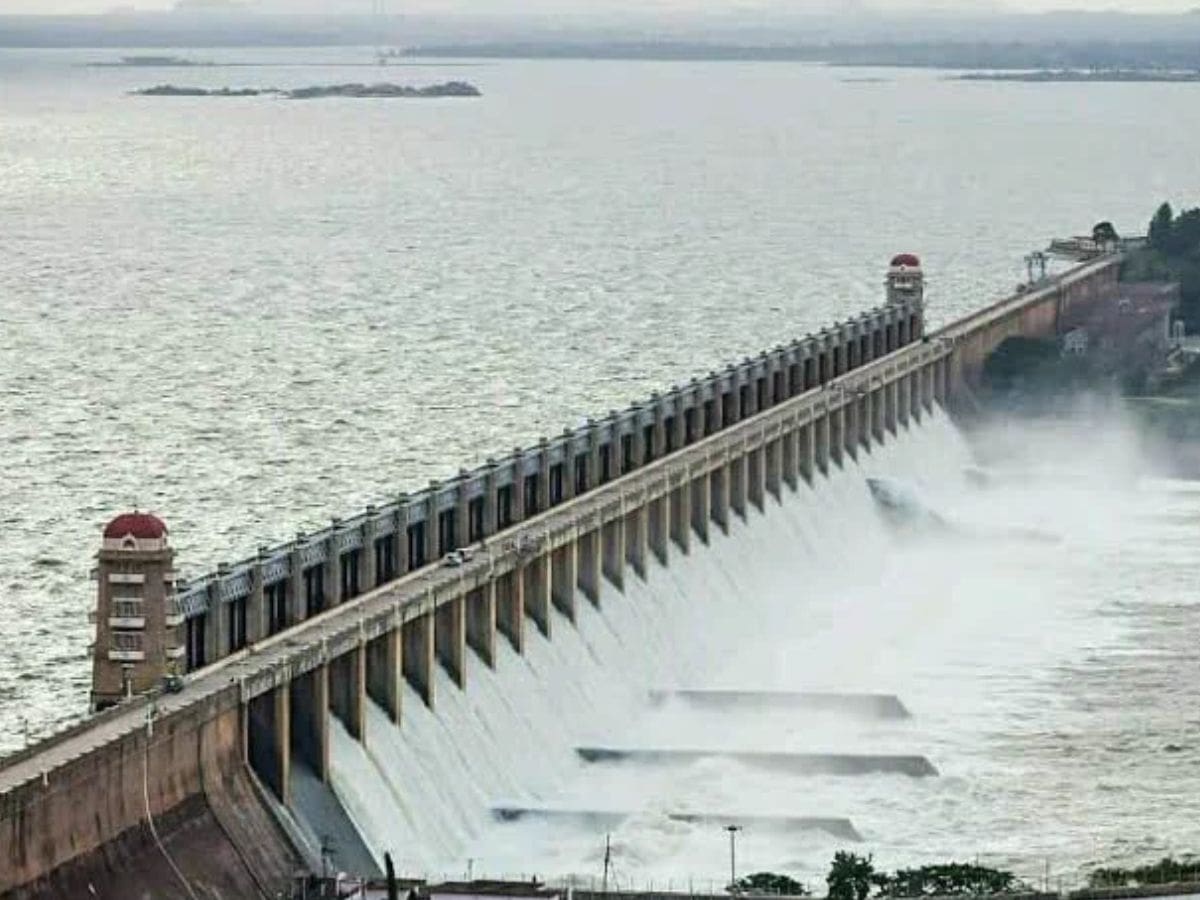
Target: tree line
(854, 877)
(1172, 253)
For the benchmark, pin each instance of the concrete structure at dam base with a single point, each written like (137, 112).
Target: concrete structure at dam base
(188, 793)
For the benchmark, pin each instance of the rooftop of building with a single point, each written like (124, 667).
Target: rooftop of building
(140, 525)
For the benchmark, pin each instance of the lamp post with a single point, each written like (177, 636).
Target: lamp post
(733, 830)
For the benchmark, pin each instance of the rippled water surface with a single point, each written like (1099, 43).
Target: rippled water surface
(252, 314)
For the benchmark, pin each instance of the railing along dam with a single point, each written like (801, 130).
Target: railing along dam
(368, 606)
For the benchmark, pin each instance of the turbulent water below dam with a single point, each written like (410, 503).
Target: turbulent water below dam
(1032, 661)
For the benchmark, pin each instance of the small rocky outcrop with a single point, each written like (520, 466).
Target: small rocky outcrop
(448, 89)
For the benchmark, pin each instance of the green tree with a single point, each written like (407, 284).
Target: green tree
(770, 883)
(1173, 254)
(1160, 227)
(1185, 234)
(947, 880)
(1165, 871)
(1104, 234)
(850, 877)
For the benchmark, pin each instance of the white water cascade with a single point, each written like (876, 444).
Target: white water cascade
(425, 791)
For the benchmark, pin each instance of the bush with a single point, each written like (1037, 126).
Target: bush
(770, 883)
(1165, 871)
(1103, 233)
(950, 879)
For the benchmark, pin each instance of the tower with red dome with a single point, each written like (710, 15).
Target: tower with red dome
(905, 280)
(138, 630)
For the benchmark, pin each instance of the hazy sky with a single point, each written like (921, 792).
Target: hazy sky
(505, 6)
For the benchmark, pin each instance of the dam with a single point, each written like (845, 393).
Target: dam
(409, 678)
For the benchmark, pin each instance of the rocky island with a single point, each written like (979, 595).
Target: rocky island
(170, 90)
(151, 62)
(448, 89)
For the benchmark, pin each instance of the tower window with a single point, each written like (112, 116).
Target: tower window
(128, 608)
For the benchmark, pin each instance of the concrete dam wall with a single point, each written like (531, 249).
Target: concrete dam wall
(381, 702)
(519, 744)
(182, 783)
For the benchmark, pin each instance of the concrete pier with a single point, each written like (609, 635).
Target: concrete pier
(481, 623)
(450, 638)
(636, 527)
(309, 731)
(658, 529)
(418, 655)
(588, 562)
(537, 575)
(348, 690)
(564, 579)
(510, 608)
(612, 539)
(385, 671)
(269, 740)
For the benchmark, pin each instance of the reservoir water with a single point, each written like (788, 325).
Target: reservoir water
(251, 314)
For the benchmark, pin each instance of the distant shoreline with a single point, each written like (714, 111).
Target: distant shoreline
(150, 62)
(1076, 76)
(1016, 58)
(287, 64)
(1165, 60)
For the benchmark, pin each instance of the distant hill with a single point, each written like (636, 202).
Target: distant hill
(1080, 55)
(905, 39)
(209, 6)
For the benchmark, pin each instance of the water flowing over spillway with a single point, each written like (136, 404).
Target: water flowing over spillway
(1008, 639)
(426, 792)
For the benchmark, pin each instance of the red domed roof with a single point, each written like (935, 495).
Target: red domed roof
(142, 526)
(906, 259)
